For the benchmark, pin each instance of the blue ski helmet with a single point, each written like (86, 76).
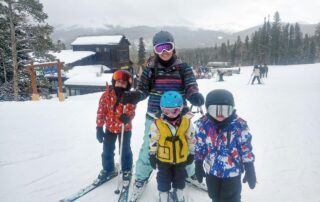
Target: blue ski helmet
(171, 99)
(162, 37)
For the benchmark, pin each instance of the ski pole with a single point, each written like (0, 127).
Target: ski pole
(117, 191)
(249, 79)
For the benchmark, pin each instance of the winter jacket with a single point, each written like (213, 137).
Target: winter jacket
(109, 111)
(172, 144)
(223, 149)
(256, 72)
(157, 79)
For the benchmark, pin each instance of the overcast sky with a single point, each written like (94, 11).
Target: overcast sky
(232, 15)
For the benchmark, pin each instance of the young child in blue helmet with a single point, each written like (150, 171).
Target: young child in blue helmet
(171, 146)
(223, 150)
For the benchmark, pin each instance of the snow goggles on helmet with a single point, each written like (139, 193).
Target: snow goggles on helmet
(160, 48)
(220, 110)
(121, 75)
(171, 112)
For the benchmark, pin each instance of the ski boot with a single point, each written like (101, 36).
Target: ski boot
(178, 195)
(164, 196)
(126, 177)
(138, 188)
(105, 176)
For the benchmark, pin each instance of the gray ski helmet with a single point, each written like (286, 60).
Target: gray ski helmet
(162, 37)
(219, 97)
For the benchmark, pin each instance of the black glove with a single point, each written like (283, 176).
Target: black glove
(124, 118)
(200, 174)
(196, 99)
(249, 175)
(131, 97)
(153, 161)
(190, 159)
(100, 134)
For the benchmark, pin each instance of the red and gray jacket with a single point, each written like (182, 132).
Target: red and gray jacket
(109, 111)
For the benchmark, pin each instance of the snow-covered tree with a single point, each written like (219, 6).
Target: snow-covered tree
(28, 33)
(141, 52)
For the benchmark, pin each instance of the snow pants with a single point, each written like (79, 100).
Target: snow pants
(171, 174)
(224, 189)
(254, 78)
(108, 151)
(143, 167)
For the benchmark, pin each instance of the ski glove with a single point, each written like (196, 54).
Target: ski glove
(196, 99)
(190, 159)
(249, 175)
(153, 161)
(200, 174)
(100, 134)
(131, 97)
(124, 118)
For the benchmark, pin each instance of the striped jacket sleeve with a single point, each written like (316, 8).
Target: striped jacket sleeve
(144, 82)
(190, 82)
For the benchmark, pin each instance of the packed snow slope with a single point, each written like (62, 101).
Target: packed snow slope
(48, 148)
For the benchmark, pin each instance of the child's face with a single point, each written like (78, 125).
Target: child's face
(121, 83)
(171, 112)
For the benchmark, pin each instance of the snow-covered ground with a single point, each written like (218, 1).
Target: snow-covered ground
(48, 148)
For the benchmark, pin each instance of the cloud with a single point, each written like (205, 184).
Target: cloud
(213, 14)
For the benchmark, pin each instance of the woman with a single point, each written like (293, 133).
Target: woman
(165, 72)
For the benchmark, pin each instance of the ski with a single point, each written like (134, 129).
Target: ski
(124, 194)
(197, 185)
(96, 183)
(137, 192)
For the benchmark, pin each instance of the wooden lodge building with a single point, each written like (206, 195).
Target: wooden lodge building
(111, 51)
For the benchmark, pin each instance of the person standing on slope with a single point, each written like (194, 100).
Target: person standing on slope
(166, 72)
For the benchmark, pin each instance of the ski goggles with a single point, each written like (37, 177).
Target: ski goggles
(121, 75)
(171, 112)
(160, 48)
(220, 110)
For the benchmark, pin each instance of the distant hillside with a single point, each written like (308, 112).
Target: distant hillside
(185, 37)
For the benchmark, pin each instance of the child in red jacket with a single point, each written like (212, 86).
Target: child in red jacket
(110, 113)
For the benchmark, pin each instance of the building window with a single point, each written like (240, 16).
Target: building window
(97, 49)
(105, 49)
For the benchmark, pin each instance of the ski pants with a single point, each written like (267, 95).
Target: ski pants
(254, 78)
(171, 174)
(224, 189)
(108, 151)
(143, 167)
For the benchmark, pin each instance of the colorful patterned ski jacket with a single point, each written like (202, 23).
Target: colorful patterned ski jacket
(109, 111)
(157, 79)
(223, 149)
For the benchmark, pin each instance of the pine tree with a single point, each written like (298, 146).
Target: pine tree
(298, 44)
(25, 36)
(275, 38)
(141, 52)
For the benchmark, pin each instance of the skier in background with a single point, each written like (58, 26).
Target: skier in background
(171, 146)
(256, 74)
(110, 113)
(223, 149)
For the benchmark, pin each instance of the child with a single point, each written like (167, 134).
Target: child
(171, 146)
(223, 149)
(111, 114)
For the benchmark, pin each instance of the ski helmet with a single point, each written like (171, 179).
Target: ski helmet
(219, 97)
(171, 99)
(162, 37)
(122, 75)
